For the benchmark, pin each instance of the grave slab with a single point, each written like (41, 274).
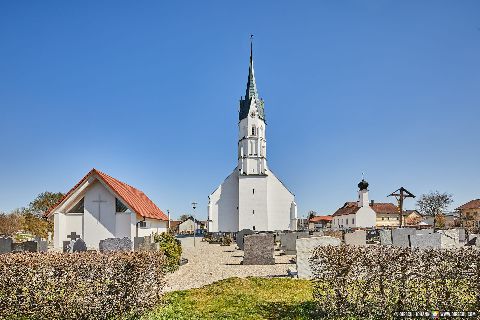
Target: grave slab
(305, 248)
(385, 237)
(115, 245)
(356, 238)
(400, 237)
(426, 241)
(288, 241)
(240, 237)
(5, 245)
(258, 249)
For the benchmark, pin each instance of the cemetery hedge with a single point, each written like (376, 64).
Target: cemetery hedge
(376, 281)
(83, 285)
(172, 248)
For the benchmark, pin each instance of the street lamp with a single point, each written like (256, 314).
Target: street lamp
(194, 206)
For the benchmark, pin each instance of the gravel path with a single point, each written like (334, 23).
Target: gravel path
(208, 263)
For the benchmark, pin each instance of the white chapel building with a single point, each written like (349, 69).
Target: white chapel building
(100, 207)
(251, 197)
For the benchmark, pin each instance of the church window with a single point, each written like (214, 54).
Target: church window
(353, 220)
(253, 212)
(253, 190)
(78, 208)
(253, 130)
(253, 228)
(119, 206)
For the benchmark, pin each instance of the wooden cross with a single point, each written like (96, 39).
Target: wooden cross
(73, 236)
(99, 201)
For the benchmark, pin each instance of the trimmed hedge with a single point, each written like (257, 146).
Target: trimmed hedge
(376, 281)
(85, 285)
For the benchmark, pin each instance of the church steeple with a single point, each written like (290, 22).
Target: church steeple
(251, 85)
(251, 99)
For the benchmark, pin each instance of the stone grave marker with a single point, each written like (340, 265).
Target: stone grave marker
(240, 235)
(258, 249)
(373, 236)
(5, 245)
(42, 246)
(305, 247)
(426, 241)
(453, 238)
(79, 246)
(356, 238)
(400, 237)
(385, 237)
(472, 239)
(288, 241)
(115, 245)
(138, 243)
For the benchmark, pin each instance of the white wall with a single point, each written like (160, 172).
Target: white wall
(223, 205)
(366, 217)
(152, 226)
(253, 206)
(279, 204)
(122, 224)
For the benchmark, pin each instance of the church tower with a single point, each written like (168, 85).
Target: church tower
(251, 197)
(252, 145)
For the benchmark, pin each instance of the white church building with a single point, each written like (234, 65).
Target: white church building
(252, 197)
(100, 207)
(360, 214)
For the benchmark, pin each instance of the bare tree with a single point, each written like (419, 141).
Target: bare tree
(311, 214)
(434, 204)
(185, 217)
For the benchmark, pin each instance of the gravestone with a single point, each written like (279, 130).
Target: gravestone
(288, 241)
(317, 234)
(400, 237)
(138, 243)
(42, 246)
(79, 246)
(373, 236)
(30, 246)
(305, 248)
(453, 238)
(258, 249)
(472, 239)
(5, 245)
(385, 237)
(67, 246)
(426, 241)
(115, 245)
(240, 237)
(356, 238)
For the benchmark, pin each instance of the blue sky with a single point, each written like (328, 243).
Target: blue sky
(148, 93)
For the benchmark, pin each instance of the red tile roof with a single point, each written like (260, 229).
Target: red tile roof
(132, 197)
(385, 208)
(321, 218)
(473, 204)
(379, 208)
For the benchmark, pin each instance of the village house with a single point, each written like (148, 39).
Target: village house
(100, 207)
(187, 226)
(365, 214)
(319, 222)
(470, 214)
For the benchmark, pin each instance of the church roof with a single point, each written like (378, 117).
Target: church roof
(379, 208)
(251, 93)
(132, 197)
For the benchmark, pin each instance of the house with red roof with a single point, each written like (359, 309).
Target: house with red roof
(470, 214)
(365, 214)
(99, 207)
(319, 222)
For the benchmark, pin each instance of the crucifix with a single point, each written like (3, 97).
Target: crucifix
(400, 195)
(73, 236)
(99, 201)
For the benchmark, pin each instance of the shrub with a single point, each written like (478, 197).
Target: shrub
(172, 249)
(85, 285)
(376, 281)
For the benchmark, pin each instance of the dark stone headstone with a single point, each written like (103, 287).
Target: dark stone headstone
(240, 237)
(30, 246)
(288, 241)
(373, 236)
(258, 249)
(5, 245)
(67, 246)
(79, 246)
(42, 246)
(115, 245)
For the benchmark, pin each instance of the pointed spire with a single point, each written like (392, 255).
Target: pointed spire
(251, 85)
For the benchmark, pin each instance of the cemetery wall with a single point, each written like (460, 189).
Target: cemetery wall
(85, 285)
(376, 281)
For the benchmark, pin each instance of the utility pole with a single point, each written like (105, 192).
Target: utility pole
(400, 195)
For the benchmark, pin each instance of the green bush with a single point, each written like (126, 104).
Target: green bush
(85, 285)
(172, 249)
(377, 281)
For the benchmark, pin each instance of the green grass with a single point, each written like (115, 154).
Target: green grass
(234, 298)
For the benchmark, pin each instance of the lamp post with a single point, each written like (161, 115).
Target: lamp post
(194, 206)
